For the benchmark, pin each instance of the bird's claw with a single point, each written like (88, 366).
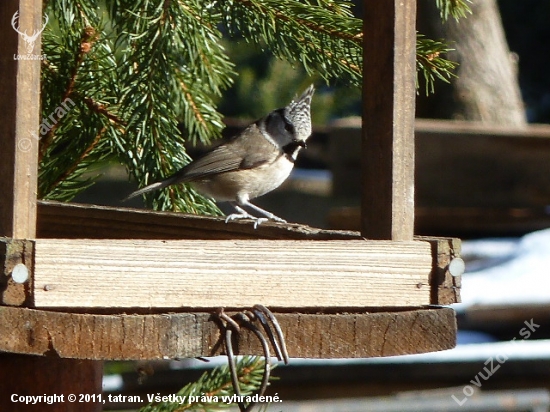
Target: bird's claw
(238, 216)
(257, 220)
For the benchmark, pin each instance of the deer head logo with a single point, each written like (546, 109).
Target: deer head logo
(30, 40)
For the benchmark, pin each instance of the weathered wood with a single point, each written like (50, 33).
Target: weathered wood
(14, 252)
(434, 400)
(387, 210)
(471, 178)
(445, 287)
(480, 221)
(505, 320)
(77, 221)
(458, 161)
(180, 335)
(188, 273)
(461, 164)
(458, 129)
(20, 112)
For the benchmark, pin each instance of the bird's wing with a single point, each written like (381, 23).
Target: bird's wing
(219, 160)
(246, 151)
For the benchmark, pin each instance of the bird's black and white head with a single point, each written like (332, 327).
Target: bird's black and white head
(290, 126)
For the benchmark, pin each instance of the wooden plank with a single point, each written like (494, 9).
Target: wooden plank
(435, 400)
(503, 321)
(190, 273)
(387, 210)
(20, 113)
(180, 335)
(475, 222)
(74, 221)
(459, 128)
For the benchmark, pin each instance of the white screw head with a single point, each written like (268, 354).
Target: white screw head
(457, 267)
(20, 273)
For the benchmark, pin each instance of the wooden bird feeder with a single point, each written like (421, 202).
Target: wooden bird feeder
(80, 284)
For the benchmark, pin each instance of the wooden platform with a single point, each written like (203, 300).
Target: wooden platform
(133, 305)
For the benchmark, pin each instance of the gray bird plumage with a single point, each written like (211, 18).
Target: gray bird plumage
(252, 163)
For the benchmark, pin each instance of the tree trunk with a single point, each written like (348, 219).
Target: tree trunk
(487, 87)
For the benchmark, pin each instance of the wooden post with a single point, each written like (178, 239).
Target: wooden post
(19, 111)
(19, 120)
(388, 119)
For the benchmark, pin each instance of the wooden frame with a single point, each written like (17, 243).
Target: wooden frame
(371, 297)
(160, 272)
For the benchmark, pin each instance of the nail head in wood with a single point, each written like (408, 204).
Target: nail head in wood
(20, 273)
(457, 267)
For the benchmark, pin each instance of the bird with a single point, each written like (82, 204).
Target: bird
(251, 163)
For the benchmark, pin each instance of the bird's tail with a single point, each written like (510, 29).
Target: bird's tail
(155, 186)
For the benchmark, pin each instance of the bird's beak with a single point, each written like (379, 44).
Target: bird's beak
(301, 143)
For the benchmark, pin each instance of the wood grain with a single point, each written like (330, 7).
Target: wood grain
(19, 117)
(230, 273)
(387, 208)
(74, 221)
(445, 287)
(180, 335)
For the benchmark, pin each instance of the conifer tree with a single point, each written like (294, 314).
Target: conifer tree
(120, 75)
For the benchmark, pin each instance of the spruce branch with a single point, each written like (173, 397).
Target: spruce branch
(104, 110)
(323, 40)
(431, 64)
(173, 61)
(88, 37)
(212, 390)
(75, 166)
(454, 8)
(71, 139)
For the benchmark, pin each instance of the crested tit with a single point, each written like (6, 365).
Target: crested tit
(251, 163)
